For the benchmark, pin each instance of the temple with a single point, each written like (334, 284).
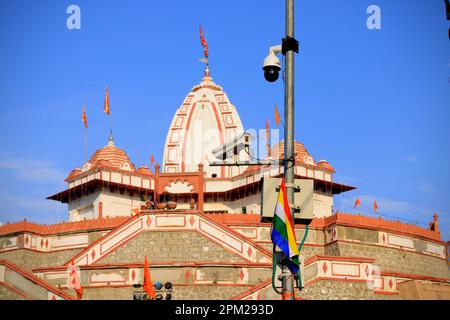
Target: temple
(201, 227)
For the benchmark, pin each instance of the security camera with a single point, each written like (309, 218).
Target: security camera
(271, 64)
(233, 147)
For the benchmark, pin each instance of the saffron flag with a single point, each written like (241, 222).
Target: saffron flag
(74, 280)
(357, 202)
(283, 229)
(277, 115)
(267, 129)
(375, 206)
(204, 43)
(106, 104)
(84, 118)
(152, 160)
(148, 284)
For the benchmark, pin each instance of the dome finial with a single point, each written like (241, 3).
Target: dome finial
(205, 52)
(111, 139)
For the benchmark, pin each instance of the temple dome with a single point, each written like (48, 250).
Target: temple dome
(325, 165)
(110, 156)
(144, 170)
(303, 156)
(73, 174)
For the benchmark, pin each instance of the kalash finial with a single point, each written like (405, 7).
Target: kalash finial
(206, 52)
(207, 71)
(111, 139)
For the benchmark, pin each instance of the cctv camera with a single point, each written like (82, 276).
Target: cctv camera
(232, 147)
(272, 65)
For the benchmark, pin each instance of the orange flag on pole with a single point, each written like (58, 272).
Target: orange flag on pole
(74, 280)
(84, 118)
(204, 43)
(267, 129)
(357, 202)
(277, 116)
(106, 105)
(152, 160)
(375, 206)
(148, 284)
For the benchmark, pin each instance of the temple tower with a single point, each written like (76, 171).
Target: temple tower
(205, 120)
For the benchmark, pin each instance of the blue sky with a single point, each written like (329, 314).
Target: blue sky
(375, 103)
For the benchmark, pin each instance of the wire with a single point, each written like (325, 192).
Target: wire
(274, 268)
(299, 278)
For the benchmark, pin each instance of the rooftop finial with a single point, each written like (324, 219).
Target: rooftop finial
(205, 52)
(111, 139)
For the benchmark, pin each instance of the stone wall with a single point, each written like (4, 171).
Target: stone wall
(337, 290)
(310, 251)
(124, 293)
(331, 290)
(306, 252)
(7, 294)
(393, 260)
(314, 235)
(209, 292)
(169, 246)
(29, 260)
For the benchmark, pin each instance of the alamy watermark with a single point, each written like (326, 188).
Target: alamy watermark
(73, 21)
(374, 20)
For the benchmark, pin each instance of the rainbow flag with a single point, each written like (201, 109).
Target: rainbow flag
(283, 229)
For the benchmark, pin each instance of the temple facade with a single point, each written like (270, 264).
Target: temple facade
(200, 226)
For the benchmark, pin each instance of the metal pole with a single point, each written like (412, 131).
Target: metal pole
(287, 286)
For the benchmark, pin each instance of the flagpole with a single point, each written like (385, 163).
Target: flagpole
(86, 144)
(269, 137)
(289, 159)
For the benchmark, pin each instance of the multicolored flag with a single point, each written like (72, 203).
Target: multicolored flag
(375, 206)
(357, 202)
(106, 104)
(84, 118)
(148, 284)
(283, 234)
(74, 280)
(277, 116)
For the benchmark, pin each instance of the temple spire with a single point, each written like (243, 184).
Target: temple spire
(111, 139)
(207, 70)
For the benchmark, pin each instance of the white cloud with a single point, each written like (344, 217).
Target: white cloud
(384, 204)
(426, 187)
(31, 170)
(17, 207)
(393, 209)
(28, 203)
(411, 158)
(390, 209)
(24, 187)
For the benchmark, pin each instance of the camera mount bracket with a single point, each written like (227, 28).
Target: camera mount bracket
(288, 44)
